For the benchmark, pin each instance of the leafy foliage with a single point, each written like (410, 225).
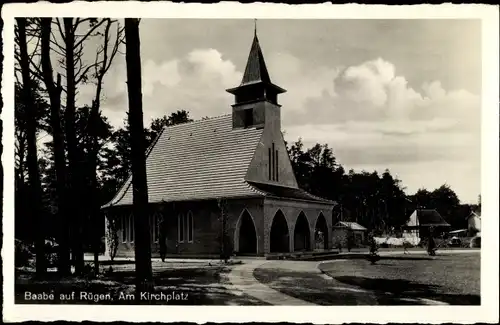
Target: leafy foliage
(112, 235)
(118, 159)
(375, 201)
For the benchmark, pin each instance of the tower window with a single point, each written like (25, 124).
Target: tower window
(276, 165)
(248, 117)
(270, 165)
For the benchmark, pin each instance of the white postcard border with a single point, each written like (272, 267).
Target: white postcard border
(487, 312)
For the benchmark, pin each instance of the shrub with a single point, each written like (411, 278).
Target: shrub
(475, 242)
(112, 236)
(23, 253)
(51, 250)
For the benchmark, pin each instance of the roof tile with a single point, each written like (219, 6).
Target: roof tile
(199, 160)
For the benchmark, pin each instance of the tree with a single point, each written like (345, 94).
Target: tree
(101, 65)
(224, 239)
(32, 160)
(376, 201)
(20, 120)
(445, 200)
(54, 91)
(143, 270)
(423, 199)
(112, 227)
(67, 42)
(119, 159)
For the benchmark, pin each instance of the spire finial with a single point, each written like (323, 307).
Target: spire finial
(255, 27)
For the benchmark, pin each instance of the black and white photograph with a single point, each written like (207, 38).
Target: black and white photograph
(250, 160)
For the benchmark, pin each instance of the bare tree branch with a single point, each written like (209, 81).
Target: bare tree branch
(59, 27)
(53, 41)
(35, 69)
(92, 29)
(82, 76)
(36, 48)
(54, 50)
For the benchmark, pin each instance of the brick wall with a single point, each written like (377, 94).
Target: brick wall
(206, 224)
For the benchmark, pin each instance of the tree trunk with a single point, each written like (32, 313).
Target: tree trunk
(143, 270)
(76, 188)
(54, 92)
(92, 173)
(35, 188)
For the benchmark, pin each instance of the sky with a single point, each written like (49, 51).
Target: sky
(398, 94)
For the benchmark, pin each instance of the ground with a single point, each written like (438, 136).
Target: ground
(449, 278)
(394, 280)
(192, 283)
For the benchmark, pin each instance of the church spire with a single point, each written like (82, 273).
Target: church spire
(256, 69)
(256, 83)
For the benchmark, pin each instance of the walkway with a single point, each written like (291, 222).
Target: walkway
(242, 279)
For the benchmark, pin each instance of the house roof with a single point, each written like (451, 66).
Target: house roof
(430, 218)
(474, 214)
(201, 160)
(350, 225)
(457, 231)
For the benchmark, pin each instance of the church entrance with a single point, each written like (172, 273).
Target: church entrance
(321, 233)
(248, 235)
(301, 234)
(279, 236)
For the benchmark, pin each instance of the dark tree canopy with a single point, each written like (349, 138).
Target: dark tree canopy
(376, 201)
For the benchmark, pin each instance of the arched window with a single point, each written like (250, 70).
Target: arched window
(132, 228)
(123, 227)
(180, 228)
(154, 226)
(185, 227)
(190, 227)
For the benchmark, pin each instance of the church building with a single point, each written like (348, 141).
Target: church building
(227, 175)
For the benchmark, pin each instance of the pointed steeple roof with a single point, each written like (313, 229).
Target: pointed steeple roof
(256, 70)
(256, 74)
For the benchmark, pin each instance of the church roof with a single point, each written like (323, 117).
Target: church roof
(286, 192)
(201, 160)
(198, 160)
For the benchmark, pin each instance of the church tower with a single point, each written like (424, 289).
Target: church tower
(256, 98)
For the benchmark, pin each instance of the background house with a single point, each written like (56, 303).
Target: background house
(343, 229)
(421, 221)
(474, 224)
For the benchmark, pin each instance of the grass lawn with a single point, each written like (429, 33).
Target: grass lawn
(394, 280)
(182, 283)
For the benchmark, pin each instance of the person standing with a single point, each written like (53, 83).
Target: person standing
(431, 245)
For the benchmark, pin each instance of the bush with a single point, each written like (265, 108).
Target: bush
(51, 250)
(475, 242)
(23, 253)
(112, 236)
